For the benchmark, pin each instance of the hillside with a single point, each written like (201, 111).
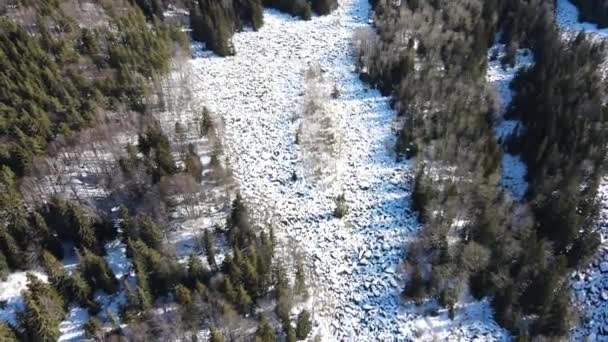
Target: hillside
(320, 170)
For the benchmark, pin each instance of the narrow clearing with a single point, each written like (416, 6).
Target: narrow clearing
(355, 261)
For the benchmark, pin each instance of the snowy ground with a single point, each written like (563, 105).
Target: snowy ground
(566, 16)
(513, 169)
(11, 300)
(355, 262)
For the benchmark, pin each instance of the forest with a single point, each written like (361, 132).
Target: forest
(437, 80)
(76, 77)
(119, 202)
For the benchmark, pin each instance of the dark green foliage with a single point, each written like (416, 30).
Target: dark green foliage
(209, 243)
(44, 310)
(78, 290)
(54, 270)
(48, 88)
(215, 22)
(38, 100)
(4, 269)
(559, 102)
(341, 208)
(416, 286)
(97, 272)
(205, 122)
(595, 11)
(300, 281)
(300, 8)
(324, 7)
(196, 270)
(156, 148)
(92, 327)
(215, 335)
(7, 334)
(183, 296)
(69, 221)
(303, 325)
(565, 128)
(142, 227)
(151, 8)
(265, 333)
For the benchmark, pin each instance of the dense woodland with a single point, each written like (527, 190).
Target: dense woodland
(72, 72)
(518, 254)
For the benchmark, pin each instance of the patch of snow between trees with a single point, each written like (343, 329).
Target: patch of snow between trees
(354, 262)
(513, 169)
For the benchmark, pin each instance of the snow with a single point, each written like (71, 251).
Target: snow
(566, 16)
(11, 300)
(257, 94)
(513, 169)
(589, 285)
(71, 328)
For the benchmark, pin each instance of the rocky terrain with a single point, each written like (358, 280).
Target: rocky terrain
(354, 261)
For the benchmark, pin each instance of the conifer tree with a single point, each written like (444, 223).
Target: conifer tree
(6, 333)
(229, 291)
(265, 333)
(300, 281)
(150, 232)
(183, 296)
(215, 335)
(54, 269)
(196, 270)
(303, 325)
(97, 272)
(243, 301)
(10, 249)
(43, 311)
(209, 243)
(4, 269)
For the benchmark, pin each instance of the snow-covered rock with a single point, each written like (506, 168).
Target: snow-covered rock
(257, 93)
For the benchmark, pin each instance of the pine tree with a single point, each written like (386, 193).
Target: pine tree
(300, 282)
(196, 269)
(91, 327)
(80, 291)
(215, 335)
(257, 14)
(127, 225)
(228, 289)
(54, 269)
(43, 311)
(243, 301)
(209, 245)
(6, 333)
(97, 273)
(41, 233)
(265, 333)
(183, 295)
(150, 233)
(4, 269)
(10, 249)
(303, 325)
